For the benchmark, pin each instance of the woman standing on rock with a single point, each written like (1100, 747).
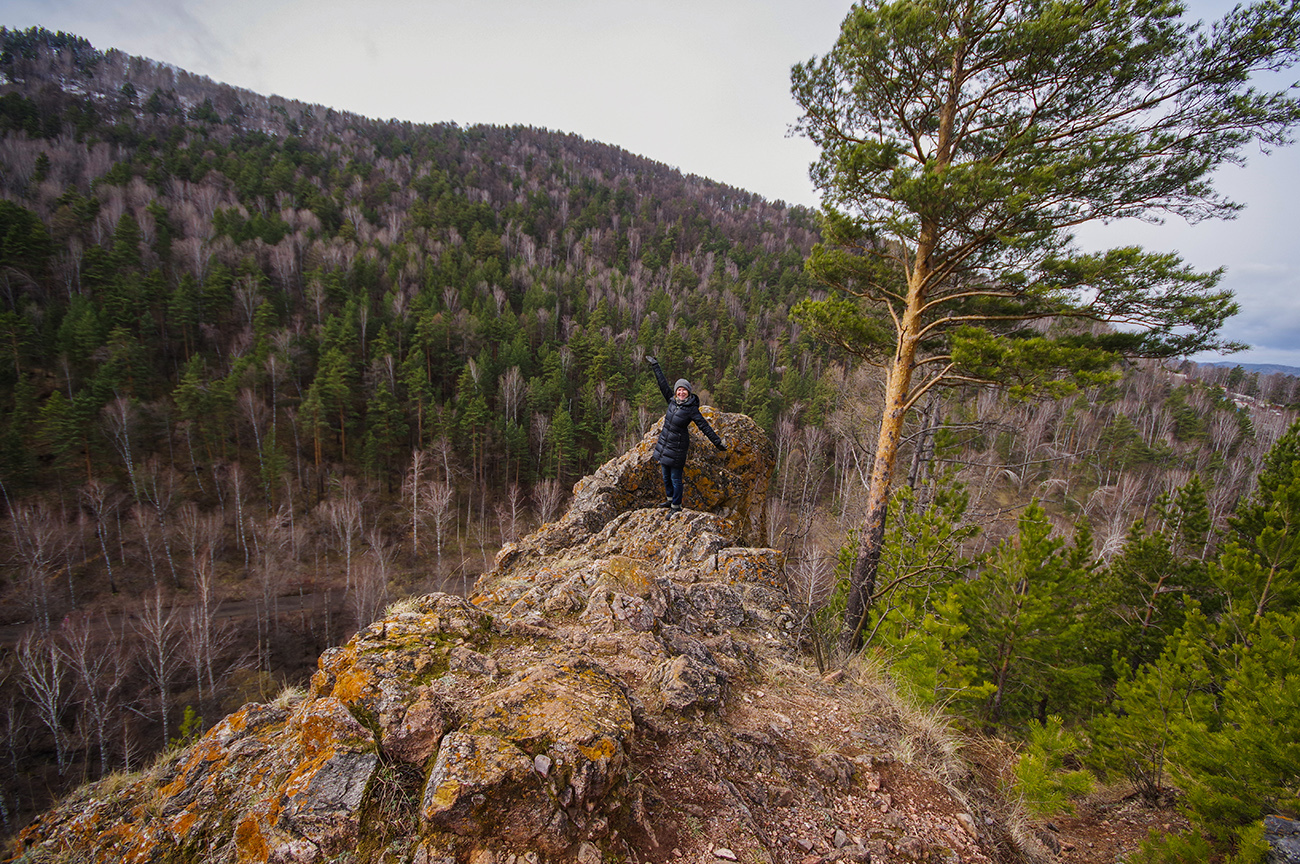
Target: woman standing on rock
(675, 438)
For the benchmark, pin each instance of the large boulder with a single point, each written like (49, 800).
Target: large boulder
(731, 484)
(536, 759)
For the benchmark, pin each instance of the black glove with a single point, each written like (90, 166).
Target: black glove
(651, 360)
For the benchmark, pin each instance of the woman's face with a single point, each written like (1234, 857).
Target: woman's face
(682, 393)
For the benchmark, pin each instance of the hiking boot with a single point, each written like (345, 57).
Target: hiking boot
(676, 508)
(664, 505)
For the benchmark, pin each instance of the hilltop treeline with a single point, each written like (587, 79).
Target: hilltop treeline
(217, 256)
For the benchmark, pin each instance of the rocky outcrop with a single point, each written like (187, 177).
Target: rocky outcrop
(1283, 838)
(730, 484)
(625, 684)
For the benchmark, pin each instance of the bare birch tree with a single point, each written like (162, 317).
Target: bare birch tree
(102, 503)
(205, 637)
(508, 512)
(147, 529)
(156, 627)
(35, 531)
(369, 593)
(44, 680)
(547, 495)
(98, 668)
(201, 534)
(119, 418)
(412, 485)
(274, 564)
(436, 504)
(158, 484)
(343, 514)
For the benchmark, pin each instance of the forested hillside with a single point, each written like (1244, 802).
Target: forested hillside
(268, 366)
(230, 321)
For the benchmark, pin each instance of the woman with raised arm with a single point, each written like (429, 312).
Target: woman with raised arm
(675, 437)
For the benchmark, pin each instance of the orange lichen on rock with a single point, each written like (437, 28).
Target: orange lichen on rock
(250, 842)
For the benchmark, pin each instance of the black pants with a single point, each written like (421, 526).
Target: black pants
(673, 483)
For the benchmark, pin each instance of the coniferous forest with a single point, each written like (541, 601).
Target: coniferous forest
(269, 366)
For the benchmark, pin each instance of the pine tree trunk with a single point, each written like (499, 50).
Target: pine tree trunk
(871, 538)
(898, 401)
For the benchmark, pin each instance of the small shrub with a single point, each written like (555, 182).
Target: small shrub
(1042, 780)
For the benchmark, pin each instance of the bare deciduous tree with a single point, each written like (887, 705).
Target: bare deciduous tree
(510, 392)
(256, 412)
(412, 485)
(146, 526)
(158, 482)
(369, 593)
(35, 531)
(234, 473)
(156, 627)
(508, 512)
(274, 537)
(205, 637)
(98, 668)
(44, 680)
(547, 496)
(436, 504)
(810, 580)
(541, 432)
(102, 502)
(200, 532)
(119, 418)
(344, 514)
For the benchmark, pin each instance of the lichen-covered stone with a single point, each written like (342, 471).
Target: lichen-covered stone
(375, 670)
(712, 607)
(763, 566)
(480, 784)
(462, 659)
(323, 793)
(731, 485)
(327, 809)
(416, 737)
(687, 682)
(567, 714)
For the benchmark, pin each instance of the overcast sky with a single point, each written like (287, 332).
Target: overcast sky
(702, 85)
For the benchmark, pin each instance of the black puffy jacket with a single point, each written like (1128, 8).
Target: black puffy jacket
(675, 438)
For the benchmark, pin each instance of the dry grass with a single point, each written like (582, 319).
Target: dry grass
(118, 782)
(974, 769)
(289, 696)
(403, 606)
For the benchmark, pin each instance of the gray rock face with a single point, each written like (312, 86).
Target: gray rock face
(686, 682)
(1283, 836)
(713, 607)
(328, 812)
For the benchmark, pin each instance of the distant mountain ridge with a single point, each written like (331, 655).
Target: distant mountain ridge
(1261, 368)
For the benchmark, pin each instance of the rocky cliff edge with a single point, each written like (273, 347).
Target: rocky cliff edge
(625, 684)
